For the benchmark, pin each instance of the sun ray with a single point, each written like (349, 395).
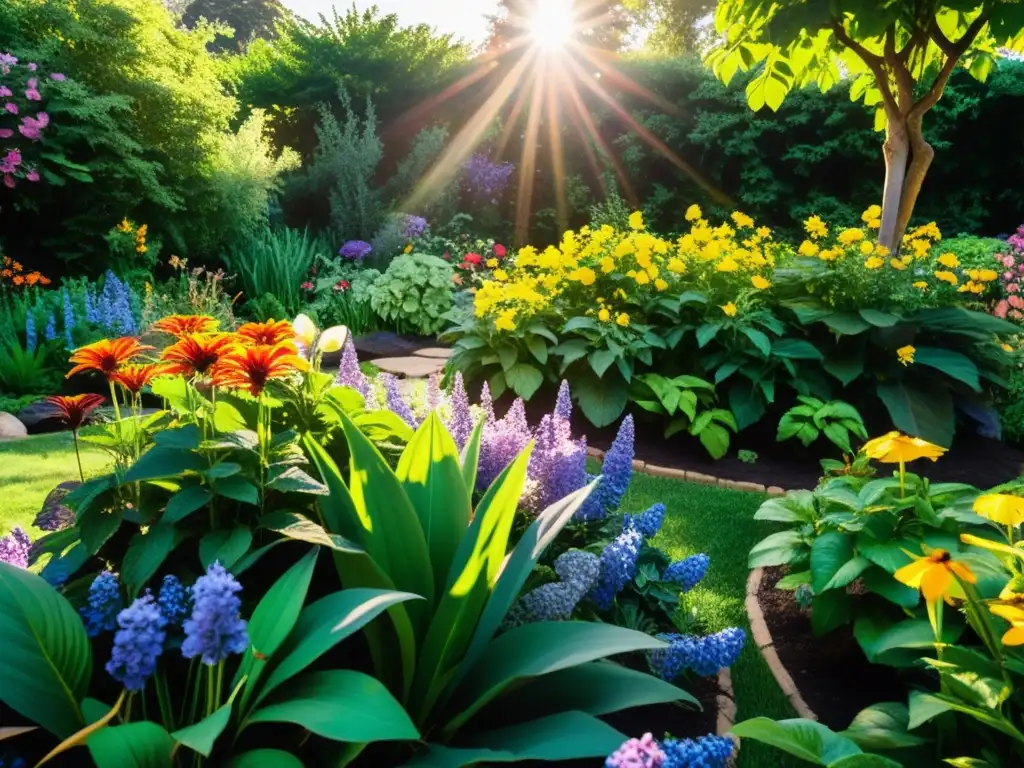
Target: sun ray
(526, 167)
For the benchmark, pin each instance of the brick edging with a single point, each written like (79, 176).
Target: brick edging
(726, 718)
(763, 638)
(689, 476)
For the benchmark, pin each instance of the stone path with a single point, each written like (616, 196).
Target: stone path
(404, 358)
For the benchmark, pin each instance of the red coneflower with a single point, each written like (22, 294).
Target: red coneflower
(72, 410)
(135, 377)
(180, 326)
(253, 367)
(268, 334)
(197, 354)
(106, 356)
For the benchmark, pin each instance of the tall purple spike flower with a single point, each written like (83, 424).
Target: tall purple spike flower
(558, 464)
(618, 568)
(502, 441)
(215, 630)
(395, 402)
(563, 405)
(138, 643)
(461, 421)
(15, 548)
(616, 472)
(350, 375)
(487, 403)
(434, 391)
(516, 416)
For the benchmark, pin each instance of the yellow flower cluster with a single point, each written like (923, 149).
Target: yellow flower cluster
(629, 266)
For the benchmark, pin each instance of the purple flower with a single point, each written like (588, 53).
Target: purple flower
(215, 630)
(15, 548)
(486, 180)
(10, 162)
(11, 107)
(687, 573)
(704, 656)
(616, 472)
(563, 405)
(414, 227)
(350, 375)
(173, 600)
(461, 422)
(434, 391)
(138, 643)
(502, 441)
(50, 331)
(5, 92)
(6, 62)
(618, 568)
(394, 400)
(637, 753)
(578, 571)
(60, 78)
(558, 464)
(648, 522)
(100, 615)
(707, 752)
(486, 403)
(355, 250)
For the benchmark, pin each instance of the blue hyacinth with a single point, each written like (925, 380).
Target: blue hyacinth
(648, 522)
(173, 600)
(31, 340)
(92, 310)
(115, 306)
(50, 332)
(563, 405)
(618, 568)
(706, 752)
(578, 571)
(687, 573)
(69, 318)
(100, 615)
(215, 630)
(138, 643)
(702, 655)
(616, 472)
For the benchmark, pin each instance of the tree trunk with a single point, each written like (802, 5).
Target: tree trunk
(896, 151)
(921, 158)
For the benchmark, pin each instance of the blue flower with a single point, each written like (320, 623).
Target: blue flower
(355, 250)
(138, 643)
(579, 569)
(31, 340)
(702, 655)
(637, 753)
(69, 318)
(556, 601)
(414, 227)
(173, 600)
(92, 310)
(648, 522)
(115, 307)
(616, 472)
(100, 615)
(215, 630)
(687, 573)
(706, 752)
(563, 405)
(50, 332)
(618, 568)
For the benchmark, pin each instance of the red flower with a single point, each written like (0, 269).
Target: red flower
(312, 270)
(253, 367)
(447, 256)
(105, 356)
(269, 333)
(73, 410)
(499, 250)
(185, 325)
(342, 285)
(307, 286)
(135, 377)
(195, 355)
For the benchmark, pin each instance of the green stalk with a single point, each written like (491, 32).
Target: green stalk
(78, 454)
(220, 683)
(209, 690)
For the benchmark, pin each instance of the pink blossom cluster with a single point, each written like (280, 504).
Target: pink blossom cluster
(1011, 278)
(15, 102)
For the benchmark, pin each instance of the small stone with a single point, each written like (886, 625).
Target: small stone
(441, 353)
(11, 428)
(596, 453)
(410, 367)
(698, 477)
(742, 485)
(774, 490)
(669, 472)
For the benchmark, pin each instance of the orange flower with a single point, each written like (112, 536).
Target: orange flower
(135, 377)
(73, 410)
(196, 354)
(185, 325)
(253, 367)
(106, 356)
(268, 334)
(18, 280)
(43, 280)
(32, 278)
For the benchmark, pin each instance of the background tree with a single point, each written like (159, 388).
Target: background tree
(250, 19)
(897, 55)
(674, 25)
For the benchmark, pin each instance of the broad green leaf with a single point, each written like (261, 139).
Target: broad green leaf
(238, 489)
(879, 319)
(226, 546)
(538, 649)
(145, 555)
(96, 525)
(265, 758)
(470, 458)
(882, 583)
(601, 360)
(777, 549)
(323, 625)
(136, 745)
(759, 339)
(845, 324)
(715, 440)
(706, 333)
(601, 400)
(337, 511)
(953, 364)
(201, 737)
(185, 502)
(847, 369)
(46, 658)
(342, 705)
(830, 610)
(927, 414)
(849, 571)
(882, 726)
(160, 462)
(912, 634)
(795, 349)
(746, 403)
(793, 580)
(829, 552)
(794, 507)
(804, 739)
(295, 526)
(294, 480)
(430, 473)
(525, 379)
(185, 438)
(972, 677)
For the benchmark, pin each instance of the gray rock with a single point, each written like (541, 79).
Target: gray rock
(440, 353)
(410, 367)
(11, 428)
(385, 344)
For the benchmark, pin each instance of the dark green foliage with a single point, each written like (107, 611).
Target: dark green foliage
(1011, 407)
(249, 19)
(974, 252)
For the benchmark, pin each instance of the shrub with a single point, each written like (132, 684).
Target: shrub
(276, 262)
(414, 293)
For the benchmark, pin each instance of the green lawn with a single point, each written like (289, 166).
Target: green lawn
(700, 518)
(30, 468)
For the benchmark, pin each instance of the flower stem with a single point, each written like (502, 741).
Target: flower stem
(220, 684)
(209, 690)
(903, 475)
(78, 455)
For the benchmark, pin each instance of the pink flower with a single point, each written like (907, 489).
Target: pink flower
(43, 119)
(1001, 309)
(33, 67)
(1007, 261)
(32, 175)
(9, 181)
(10, 162)
(499, 250)
(307, 286)
(1015, 314)
(1016, 301)
(60, 78)
(33, 95)
(1012, 288)
(6, 133)
(11, 107)
(5, 92)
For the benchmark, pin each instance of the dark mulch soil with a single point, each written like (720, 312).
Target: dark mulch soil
(831, 672)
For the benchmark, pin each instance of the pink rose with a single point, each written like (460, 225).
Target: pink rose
(5, 92)
(58, 77)
(1007, 275)
(32, 175)
(33, 67)
(33, 95)
(1001, 309)
(1016, 302)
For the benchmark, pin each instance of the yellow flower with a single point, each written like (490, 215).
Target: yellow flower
(1015, 615)
(760, 283)
(604, 315)
(873, 212)
(828, 255)
(1001, 508)
(874, 223)
(583, 275)
(728, 264)
(867, 248)
(607, 264)
(807, 248)
(921, 284)
(881, 250)
(1006, 348)
(742, 220)
(653, 271)
(660, 284)
(492, 263)
(896, 448)
(729, 309)
(987, 275)
(642, 278)
(622, 319)
(816, 227)
(897, 264)
(693, 212)
(505, 320)
(873, 263)
(500, 275)
(936, 575)
(408, 248)
(946, 277)
(949, 260)
(676, 265)
(920, 247)
(851, 236)
(636, 221)
(124, 226)
(764, 232)
(906, 354)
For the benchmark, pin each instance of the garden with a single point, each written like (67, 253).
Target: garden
(642, 386)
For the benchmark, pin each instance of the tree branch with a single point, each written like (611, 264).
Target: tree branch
(874, 62)
(957, 50)
(904, 81)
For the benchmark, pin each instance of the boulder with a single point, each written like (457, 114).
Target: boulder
(40, 417)
(11, 428)
(410, 367)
